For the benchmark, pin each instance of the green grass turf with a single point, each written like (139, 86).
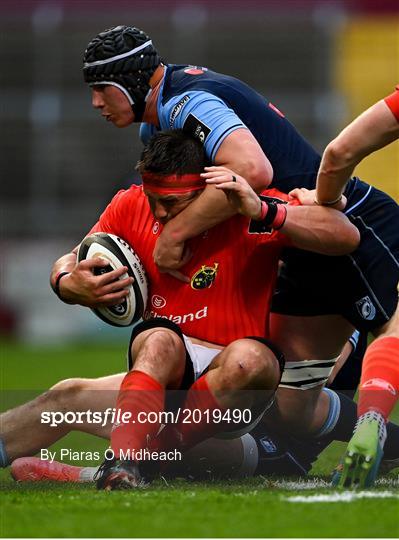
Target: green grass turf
(252, 508)
(248, 509)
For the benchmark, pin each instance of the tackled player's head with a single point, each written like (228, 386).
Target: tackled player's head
(170, 167)
(123, 57)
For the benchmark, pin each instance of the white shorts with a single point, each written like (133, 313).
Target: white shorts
(201, 356)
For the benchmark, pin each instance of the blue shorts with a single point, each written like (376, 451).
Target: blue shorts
(362, 286)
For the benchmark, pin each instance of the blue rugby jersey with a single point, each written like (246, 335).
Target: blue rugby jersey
(210, 106)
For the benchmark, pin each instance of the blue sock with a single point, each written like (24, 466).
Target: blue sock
(4, 461)
(341, 418)
(334, 413)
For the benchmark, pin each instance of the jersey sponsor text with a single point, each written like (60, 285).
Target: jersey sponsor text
(178, 319)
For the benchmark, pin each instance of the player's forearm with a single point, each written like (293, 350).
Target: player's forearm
(335, 170)
(241, 153)
(211, 208)
(319, 229)
(339, 161)
(372, 130)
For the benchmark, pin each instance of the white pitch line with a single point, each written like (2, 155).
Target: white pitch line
(318, 483)
(315, 483)
(345, 496)
(390, 482)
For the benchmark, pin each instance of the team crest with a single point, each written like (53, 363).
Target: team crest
(366, 308)
(204, 277)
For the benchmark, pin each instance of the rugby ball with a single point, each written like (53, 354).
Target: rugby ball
(118, 253)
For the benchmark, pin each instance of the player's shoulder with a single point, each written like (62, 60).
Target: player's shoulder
(180, 81)
(134, 190)
(186, 77)
(178, 75)
(131, 195)
(127, 212)
(186, 88)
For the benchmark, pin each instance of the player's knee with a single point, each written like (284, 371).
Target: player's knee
(159, 348)
(253, 363)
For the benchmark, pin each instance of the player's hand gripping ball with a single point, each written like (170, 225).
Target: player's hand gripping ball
(118, 253)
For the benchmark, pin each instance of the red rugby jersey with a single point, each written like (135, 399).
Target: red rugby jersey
(393, 103)
(232, 271)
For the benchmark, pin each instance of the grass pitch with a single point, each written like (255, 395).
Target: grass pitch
(257, 507)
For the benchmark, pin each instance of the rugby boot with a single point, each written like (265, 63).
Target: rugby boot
(387, 465)
(361, 462)
(117, 474)
(33, 469)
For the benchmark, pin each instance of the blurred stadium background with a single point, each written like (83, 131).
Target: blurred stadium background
(320, 61)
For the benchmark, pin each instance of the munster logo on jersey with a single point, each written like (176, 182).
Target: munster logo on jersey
(204, 277)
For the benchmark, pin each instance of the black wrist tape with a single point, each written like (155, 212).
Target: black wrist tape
(56, 287)
(266, 225)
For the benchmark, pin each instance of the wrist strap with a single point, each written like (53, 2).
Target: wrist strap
(56, 287)
(281, 216)
(263, 210)
(328, 203)
(273, 214)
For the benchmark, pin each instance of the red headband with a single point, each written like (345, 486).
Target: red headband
(172, 183)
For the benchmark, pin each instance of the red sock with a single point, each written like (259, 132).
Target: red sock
(379, 383)
(195, 420)
(198, 412)
(139, 393)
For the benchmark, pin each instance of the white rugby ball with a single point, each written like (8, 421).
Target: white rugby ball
(118, 253)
